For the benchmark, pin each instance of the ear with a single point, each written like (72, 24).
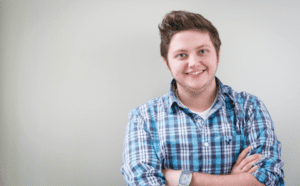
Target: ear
(219, 55)
(166, 62)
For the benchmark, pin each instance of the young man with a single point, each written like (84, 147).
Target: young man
(202, 132)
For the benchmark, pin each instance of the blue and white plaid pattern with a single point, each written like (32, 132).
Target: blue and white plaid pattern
(163, 133)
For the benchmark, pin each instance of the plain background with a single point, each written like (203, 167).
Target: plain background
(71, 70)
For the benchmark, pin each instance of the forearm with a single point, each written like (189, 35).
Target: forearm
(242, 179)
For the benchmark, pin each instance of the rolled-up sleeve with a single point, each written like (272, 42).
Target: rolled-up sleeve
(260, 134)
(141, 165)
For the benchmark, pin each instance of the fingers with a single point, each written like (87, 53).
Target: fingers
(242, 155)
(253, 158)
(253, 169)
(248, 165)
(244, 164)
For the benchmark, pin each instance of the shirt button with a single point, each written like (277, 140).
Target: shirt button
(199, 120)
(205, 144)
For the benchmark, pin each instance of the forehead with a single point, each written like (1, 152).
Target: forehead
(189, 39)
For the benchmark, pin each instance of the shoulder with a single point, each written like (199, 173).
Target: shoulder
(248, 106)
(244, 100)
(251, 110)
(151, 108)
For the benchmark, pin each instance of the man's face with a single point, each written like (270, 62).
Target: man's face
(192, 60)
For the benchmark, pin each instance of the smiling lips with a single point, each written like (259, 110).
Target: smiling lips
(195, 72)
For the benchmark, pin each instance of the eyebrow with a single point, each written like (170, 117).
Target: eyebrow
(201, 46)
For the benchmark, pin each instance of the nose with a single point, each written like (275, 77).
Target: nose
(193, 61)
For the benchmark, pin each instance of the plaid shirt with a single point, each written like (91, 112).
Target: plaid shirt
(164, 134)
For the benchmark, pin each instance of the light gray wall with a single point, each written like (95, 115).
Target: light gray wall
(71, 71)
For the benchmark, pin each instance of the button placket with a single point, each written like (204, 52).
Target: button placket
(198, 121)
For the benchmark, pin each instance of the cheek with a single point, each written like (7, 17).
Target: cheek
(175, 73)
(179, 71)
(212, 63)
(176, 69)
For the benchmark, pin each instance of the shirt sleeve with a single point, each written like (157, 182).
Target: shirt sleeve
(259, 133)
(141, 165)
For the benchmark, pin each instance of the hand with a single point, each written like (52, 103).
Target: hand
(171, 176)
(243, 164)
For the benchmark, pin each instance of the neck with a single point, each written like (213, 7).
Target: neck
(198, 101)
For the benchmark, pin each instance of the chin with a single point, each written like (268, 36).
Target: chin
(201, 87)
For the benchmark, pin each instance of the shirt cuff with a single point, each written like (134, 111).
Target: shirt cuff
(265, 178)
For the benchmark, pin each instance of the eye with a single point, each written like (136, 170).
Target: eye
(202, 51)
(181, 55)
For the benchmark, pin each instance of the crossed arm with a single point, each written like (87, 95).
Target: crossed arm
(240, 174)
(142, 165)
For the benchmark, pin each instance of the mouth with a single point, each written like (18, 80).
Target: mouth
(195, 73)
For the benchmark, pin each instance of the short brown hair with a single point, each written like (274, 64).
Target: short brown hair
(177, 21)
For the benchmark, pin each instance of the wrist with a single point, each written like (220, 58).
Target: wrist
(196, 179)
(185, 178)
(171, 176)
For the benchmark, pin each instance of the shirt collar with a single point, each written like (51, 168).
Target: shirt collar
(173, 86)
